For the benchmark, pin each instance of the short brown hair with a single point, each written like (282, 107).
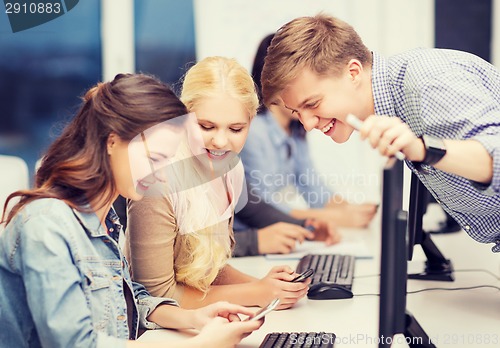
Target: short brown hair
(322, 43)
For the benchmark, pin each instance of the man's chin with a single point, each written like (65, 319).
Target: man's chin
(339, 140)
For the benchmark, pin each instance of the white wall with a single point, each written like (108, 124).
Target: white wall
(234, 28)
(117, 33)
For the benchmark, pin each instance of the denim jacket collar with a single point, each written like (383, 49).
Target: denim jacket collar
(91, 222)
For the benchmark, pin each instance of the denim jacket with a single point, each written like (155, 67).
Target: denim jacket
(63, 280)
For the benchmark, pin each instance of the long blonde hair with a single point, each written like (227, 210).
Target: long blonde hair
(206, 243)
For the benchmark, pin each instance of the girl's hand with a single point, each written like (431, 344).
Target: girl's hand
(202, 316)
(222, 333)
(353, 215)
(277, 283)
(281, 238)
(324, 231)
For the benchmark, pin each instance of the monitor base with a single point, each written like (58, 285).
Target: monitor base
(416, 337)
(441, 272)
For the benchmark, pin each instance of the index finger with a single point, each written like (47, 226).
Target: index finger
(298, 233)
(231, 308)
(367, 125)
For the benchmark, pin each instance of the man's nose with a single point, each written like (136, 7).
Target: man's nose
(309, 120)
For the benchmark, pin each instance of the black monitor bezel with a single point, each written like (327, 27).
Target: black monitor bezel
(393, 259)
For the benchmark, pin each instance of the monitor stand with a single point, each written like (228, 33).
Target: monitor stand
(415, 335)
(437, 267)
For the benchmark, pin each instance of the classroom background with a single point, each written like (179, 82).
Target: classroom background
(44, 70)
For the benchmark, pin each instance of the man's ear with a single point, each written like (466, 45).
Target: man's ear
(112, 140)
(355, 68)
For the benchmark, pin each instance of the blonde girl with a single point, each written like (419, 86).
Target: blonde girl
(179, 243)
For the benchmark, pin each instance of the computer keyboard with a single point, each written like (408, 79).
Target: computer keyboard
(332, 278)
(298, 339)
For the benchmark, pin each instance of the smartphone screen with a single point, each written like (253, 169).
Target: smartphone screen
(262, 313)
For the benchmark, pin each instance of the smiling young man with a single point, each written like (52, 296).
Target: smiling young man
(441, 108)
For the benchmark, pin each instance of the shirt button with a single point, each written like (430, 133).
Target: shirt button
(111, 229)
(467, 227)
(121, 317)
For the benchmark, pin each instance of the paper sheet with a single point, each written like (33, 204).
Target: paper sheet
(354, 246)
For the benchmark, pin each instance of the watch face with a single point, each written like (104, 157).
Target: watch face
(434, 142)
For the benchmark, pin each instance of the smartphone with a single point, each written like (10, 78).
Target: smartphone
(310, 228)
(262, 313)
(303, 276)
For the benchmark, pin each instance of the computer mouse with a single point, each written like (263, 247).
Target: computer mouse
(323, 291)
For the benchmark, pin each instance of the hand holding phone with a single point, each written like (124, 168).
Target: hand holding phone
(303, 276)
(262, 312)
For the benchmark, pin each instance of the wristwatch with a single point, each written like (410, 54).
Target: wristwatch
(434, 149)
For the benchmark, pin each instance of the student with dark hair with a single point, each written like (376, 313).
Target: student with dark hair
(64, 281)
(439, 107)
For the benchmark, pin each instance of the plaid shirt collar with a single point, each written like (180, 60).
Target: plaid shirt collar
(382, 96)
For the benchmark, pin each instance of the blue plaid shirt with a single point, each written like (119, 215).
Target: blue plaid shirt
(450, 95)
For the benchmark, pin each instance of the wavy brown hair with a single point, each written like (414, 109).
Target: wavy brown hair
(76, 167)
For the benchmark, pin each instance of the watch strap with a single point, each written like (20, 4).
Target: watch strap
(434, 149)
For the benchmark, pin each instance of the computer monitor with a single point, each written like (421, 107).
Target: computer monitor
(393, 316)
(437, 267)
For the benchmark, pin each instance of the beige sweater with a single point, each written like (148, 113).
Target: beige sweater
(153, 245)
(150, 246)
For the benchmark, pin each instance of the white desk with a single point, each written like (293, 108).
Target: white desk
(469, 318)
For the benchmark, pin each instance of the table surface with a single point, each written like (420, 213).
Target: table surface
(463, 318)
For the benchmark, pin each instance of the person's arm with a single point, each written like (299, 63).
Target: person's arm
(218, 332)
(462, 109)
(219, 323)
(258, 292)
(246, 243)
(179, 318)
(150, 246)
(469, 159)
(466, 158)
(346, 215)
(229, 275)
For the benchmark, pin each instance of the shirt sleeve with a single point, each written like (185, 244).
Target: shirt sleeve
(255, 162)
(492, 144)
(151, 234)
(246, 243)
(259, 214)
(457, 105)
(146, 304)
(58, 305)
